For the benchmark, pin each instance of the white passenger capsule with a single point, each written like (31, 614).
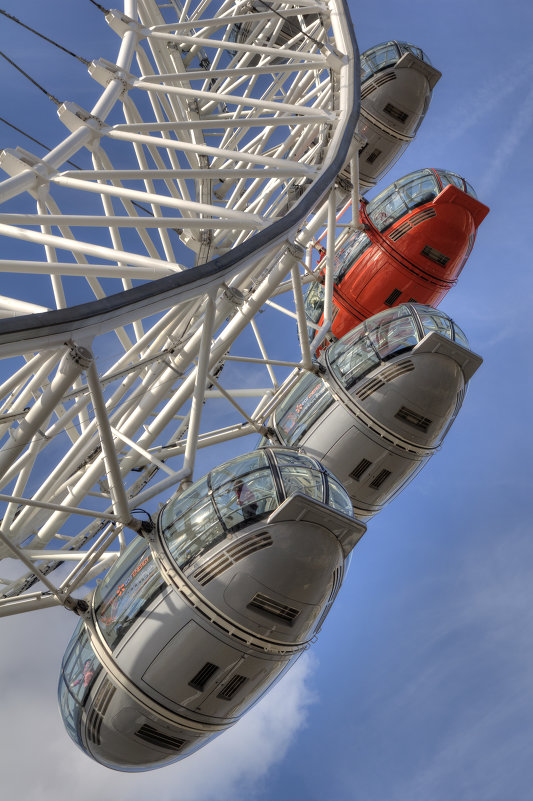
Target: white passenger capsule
(187, 631)
(397, 81)
(389, 391)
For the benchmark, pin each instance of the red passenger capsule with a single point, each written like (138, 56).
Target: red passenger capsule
(417, 236)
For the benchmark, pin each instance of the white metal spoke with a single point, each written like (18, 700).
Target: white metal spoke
(208, 166)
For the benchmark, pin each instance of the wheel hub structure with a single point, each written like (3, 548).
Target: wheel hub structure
(156, 302)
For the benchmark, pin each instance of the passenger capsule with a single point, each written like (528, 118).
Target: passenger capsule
(188, 630)
(390, 390)
(397, 81)
(418, 235)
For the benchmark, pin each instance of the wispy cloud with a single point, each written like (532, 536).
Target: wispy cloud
(509, 145)
(489, 97)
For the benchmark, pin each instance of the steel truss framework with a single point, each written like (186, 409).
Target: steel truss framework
(215, 145)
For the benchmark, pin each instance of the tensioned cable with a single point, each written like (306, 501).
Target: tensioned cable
(105, 10)
(42, 36)
(33, 139)
(34, 82)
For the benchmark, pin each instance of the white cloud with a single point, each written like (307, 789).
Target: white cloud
(39, 762)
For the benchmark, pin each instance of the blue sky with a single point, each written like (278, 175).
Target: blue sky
(420, 686)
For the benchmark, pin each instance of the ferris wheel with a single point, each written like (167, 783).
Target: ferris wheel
(175, 268)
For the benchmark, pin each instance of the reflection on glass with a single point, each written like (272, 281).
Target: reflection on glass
(351, 360)
(250, 487)
(300, 475)
(246, 497)
(303, 406)
(346, 258)
(460, 336)
(131, 584)
(391, 337)
(338, 497)
(79, 670)
(408, 193)
(436, 322)
(314, 303)
(386, 54)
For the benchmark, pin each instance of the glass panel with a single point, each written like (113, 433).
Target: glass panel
(366, 70)
(392, 336)
(299, 478)
(469, 189)
(346, 258)
(387, 208)
(351, 360)
(130, 586)
(79, 669)
(239, 466)
(338, 497)
(420, 190)
(80, 665)
(436, 322)
(179, 504)
(382, 56)
(70, 710)
(416, 51)
(451, 178)
(292, 458)
(246, 497)
(460, 336)
(302, 408)
(194, 533)
(314, 303)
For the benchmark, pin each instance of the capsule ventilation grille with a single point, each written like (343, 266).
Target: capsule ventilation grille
(393, 297)
(360, 469)
(335, 584)
(160, 738)
(202, 677)
(413, 418)
(379, 479)
(416, 219)
(234, 553)
(435, 255)
(395, 113)
(373, 156)
(272, 607)
(371, 86)
(389, 374)
(101, 701)
(231, 687)
(335, 587)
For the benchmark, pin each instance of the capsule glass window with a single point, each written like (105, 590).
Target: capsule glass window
(353, 359)
(347, 257)
(301, 409)
(338, 497)
(244, 489)
(314, 303)
(393, 333)
(300, 474)
(434, 321)
(129, 587)
(381, 56)
(79, 669)
(408, 193)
